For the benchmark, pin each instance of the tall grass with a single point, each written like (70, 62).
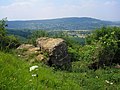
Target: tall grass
(15, 75)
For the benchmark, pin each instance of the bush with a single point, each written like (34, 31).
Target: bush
(107, 43)
(35, 35)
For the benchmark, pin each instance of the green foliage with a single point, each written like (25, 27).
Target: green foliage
(35, 35)
(73, 46)
(107, 43)
(103, 47)
(86, 53)
(6, 41)
(2, 27)
(15, 74)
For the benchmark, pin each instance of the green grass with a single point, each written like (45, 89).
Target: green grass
(15, 75)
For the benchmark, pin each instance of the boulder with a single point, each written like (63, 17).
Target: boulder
(26, 46)
(49, 44)
(29, 48)
(27, 51)
(52, 51)
(57, 51)
(34, 49)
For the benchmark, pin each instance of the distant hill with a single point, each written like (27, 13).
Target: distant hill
(73, 23)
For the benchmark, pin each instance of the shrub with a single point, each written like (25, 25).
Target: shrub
(35, 35)
(107, 43)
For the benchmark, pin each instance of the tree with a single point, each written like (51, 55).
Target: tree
(2, 27)
(6, 41)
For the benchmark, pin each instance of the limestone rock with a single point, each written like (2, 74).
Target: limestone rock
(27, 51)
(49, 44)
(29, 48)
(25, 46)
(33, 50)
(117, 66)
(56, 49)
(52, 51)
(40, 58)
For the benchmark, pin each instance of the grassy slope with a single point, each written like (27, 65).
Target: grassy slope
(15, 75)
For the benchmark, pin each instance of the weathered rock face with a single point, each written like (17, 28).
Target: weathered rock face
(57, 51)
(28, 49)
(49, 44)
(52, 51)
(40, 57)
(26, 46)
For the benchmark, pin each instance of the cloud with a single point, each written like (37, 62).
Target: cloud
(42, 9)
(15, 10)
(111, 3)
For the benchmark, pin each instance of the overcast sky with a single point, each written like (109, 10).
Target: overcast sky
(44, 9)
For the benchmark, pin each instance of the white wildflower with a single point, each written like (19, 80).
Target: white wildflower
(111, 83)
(104, 42)
(107, 81)
(19, 55)
(33, 68)
(96, 76)
(34, 75)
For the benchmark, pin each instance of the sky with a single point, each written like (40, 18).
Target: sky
(49, 9)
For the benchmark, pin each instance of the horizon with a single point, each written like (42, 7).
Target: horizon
(15, 10)
(59, 18)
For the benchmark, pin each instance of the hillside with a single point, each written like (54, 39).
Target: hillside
(93, 66)
(16, 75)
(73, 23)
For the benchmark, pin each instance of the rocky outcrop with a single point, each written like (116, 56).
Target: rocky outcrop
(28, 52)
(52, 51)
(57, 51)
(26, 46)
